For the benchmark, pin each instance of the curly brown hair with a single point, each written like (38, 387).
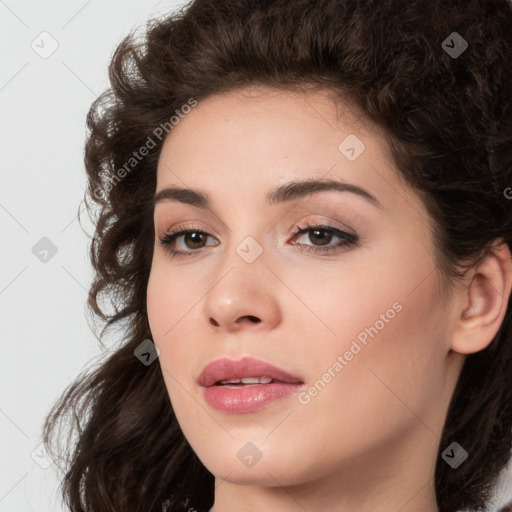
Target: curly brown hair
(448, 122)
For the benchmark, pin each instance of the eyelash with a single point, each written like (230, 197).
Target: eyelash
(348, 239)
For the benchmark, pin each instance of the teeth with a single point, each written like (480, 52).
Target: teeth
(265, 380)
(248, 380)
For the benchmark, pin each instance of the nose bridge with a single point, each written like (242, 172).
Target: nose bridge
(244, 288)
(242, 267)
(245, 243)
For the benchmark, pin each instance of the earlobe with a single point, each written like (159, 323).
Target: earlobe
(484, 304)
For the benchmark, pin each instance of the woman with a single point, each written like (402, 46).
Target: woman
(303, 226)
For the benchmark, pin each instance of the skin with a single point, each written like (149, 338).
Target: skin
(369, 440)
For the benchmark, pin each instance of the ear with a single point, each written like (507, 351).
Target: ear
(483, 302)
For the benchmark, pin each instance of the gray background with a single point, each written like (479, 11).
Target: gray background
(46, 341)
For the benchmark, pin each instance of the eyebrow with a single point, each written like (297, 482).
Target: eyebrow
(286, 192)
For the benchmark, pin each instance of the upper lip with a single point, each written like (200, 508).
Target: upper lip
(225, 369)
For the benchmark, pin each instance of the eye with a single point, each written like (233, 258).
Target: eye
(190, 240)
(322, 236)
(187, 241)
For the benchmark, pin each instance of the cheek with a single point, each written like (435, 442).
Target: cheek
(170, 300)
(384, 316)
(169, 306)
(398, 365)
(158, 307)
(391, 368)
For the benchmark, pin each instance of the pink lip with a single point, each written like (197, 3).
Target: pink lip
(249, 397)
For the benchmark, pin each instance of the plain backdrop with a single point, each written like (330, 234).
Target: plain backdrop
(54, 59)
(54, 62)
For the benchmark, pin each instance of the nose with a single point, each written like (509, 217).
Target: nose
(243, 296)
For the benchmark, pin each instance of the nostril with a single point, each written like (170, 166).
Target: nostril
(251, 318)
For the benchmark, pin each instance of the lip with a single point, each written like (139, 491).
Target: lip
(249, 397)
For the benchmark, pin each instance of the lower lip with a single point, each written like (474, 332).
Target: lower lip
(247, 398)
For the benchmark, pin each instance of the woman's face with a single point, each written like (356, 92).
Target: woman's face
(348, 307)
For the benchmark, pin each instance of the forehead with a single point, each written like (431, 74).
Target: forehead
(252, 139)
(267, 122)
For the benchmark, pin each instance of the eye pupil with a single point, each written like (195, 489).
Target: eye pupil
(325, 239)
(194, 237)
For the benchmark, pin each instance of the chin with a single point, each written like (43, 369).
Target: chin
(263, 473)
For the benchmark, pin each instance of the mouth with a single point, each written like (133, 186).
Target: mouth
(245, 381)
(245, 371)
(245, 385)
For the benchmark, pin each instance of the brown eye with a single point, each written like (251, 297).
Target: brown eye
(322, 239)
(320, 235)
(195, 238)
(185, 242)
